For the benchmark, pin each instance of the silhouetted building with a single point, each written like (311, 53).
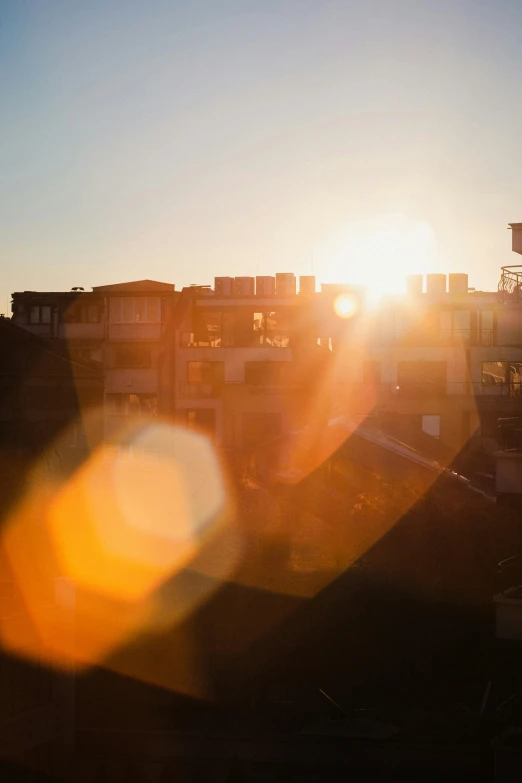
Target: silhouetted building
(249, 359)
(121, 327)
(45, 399)
(43, 392)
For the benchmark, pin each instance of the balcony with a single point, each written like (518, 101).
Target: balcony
(41, 330)
(199, 391)
(420, 390)
(511, 389)
(81, 331)
(135, 331)
(256, 339)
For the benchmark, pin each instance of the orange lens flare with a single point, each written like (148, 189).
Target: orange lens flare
(128, 521)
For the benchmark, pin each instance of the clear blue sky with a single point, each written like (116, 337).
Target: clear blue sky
(177, 140)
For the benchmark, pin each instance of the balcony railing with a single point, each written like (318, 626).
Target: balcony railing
(510, 389)
(453, 388)
(257, 339)
(420, 389)
(199, 391)
(81, 331)
(136, 331)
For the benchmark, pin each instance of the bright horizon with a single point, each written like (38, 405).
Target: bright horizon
(356, 141)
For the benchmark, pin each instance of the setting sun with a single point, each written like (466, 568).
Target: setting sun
(379, 254)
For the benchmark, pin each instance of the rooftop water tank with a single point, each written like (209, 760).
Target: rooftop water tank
(285, 284)
(307, 285)
(458, 283)
(436, 284)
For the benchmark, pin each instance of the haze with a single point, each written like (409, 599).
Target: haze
(177, 140)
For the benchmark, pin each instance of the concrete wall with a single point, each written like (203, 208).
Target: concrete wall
(509, 325)
(131, 380)
(234, 359)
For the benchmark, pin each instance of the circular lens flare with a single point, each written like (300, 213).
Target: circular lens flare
(346, 305)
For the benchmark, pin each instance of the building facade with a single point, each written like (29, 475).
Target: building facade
(119, 328)
(248, 359)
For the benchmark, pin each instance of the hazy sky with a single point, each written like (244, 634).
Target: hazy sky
(178, 140)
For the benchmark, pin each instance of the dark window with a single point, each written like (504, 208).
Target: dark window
(139, 309)
(265, 373)
(208, 328)
(133, 355)
(205, 372)
(82, 313)
(40, 314)
(421, 379)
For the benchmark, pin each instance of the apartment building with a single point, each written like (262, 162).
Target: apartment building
(444, 360)
(252, 359)
(243, 360)
(119, 327)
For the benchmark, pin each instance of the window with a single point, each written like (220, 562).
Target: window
(506, 375)
(40, 314)
(204, 379)
(431, 425)
(89, 314)
(205, 372)
(494, 373)
(272, 328)
(455, 325)
(265, 373)
(139, 309)
(208, 328)
(132, 355)
(421, 379)
(131, 404)
(486, 320)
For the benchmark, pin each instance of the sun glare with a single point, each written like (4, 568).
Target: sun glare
(346, 305)
(379, 254)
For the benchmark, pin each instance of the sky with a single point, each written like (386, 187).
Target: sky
(179, 140)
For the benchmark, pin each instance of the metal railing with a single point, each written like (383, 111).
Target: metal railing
(510, 284)
(199, 391)
(258, 339)
(419, 390)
